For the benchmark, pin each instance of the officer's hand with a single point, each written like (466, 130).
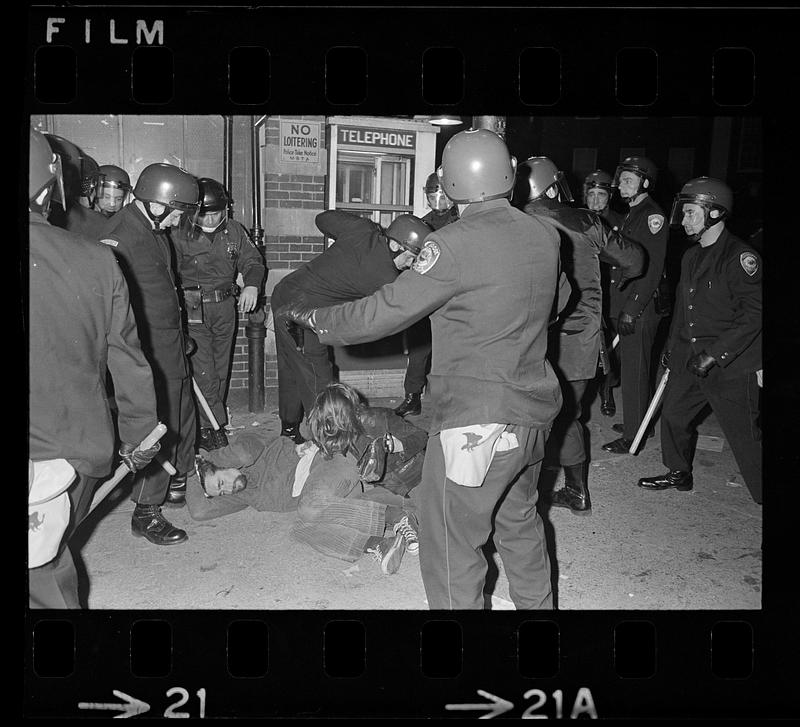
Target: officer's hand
(136, 459)
(248, 299)
(300, 313)
(626, 324)
(191, 345)
(665, 358)
(700, 364)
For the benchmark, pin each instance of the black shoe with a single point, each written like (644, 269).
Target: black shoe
(678, 479)
(618, 446)
(206, 439)
(147, 521)
(411, 405)
(219, 438)
(575, 493)
(608, 407)
(176, 494)
(293, 432)
(621, 429)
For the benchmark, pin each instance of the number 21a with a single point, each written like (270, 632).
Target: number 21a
(583, 704)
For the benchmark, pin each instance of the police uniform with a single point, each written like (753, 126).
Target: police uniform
(211, 261)
(645, 225)
(80, 323)
(574, 342)
(357, 264)
(718, 310)
(488, 282)
(146, 259)
(419, 335)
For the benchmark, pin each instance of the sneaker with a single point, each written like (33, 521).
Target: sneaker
(389, 553)
(409, 533)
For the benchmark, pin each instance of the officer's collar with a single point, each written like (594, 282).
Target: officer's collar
(476, 208)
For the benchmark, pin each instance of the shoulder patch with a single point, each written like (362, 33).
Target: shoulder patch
(749, 263)
(655, 222)
(427, 257)
(109, 241)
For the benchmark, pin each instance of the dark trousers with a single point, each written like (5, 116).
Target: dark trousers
(456, 521)
(211, 363)
(55, 584)
(301, 375)
(418, 340)
(635, 354)
(175, 407)
(566, 443)
(734, 402)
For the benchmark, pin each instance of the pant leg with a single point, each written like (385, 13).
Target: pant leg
(419, 356)
(456, 521)
(402, 477)
(175, 405)
(225, 325)
(202, 362)
(683, 401)
(735, 404)
(566, 442)
(635, 355)
(314, 369)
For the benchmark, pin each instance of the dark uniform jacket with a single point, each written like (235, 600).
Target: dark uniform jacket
(213, 260)
(718, 305)
(79, 325)
(146, 260)
(86, 222)
(488, 282)
(585, 238)
(438, 220)
(356, 265)
(646, 225)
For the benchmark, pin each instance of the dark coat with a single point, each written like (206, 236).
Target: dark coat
(80, 326)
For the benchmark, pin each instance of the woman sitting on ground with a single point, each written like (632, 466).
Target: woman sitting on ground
(338, 514)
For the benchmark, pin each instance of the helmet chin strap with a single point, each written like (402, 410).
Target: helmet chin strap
(158, 219)
(708, 223)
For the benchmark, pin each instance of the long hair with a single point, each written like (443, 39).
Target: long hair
(334, 421)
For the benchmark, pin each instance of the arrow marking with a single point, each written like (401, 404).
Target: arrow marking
(495, 707)
(131, 709)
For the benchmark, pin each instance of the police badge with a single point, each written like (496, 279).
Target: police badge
(427, 257)
(655, 222)
(749, 263)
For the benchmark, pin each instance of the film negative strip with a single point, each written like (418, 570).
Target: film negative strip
(336, 98)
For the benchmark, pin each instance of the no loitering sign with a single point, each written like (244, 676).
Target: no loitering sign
(301, 141)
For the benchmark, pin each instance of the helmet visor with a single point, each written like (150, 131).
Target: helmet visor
(58, 195)
(564, 192)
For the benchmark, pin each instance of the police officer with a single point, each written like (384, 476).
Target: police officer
(574, 344)
(76, 216)
(714, 346)
(80, 326)
(488, 282)
(418, 336)
(210, 254)
(111, 192)
(632, 310)
(363, 257)
(138, 236)
(597, 194)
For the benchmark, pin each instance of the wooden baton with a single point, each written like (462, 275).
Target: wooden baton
(204, 404)
(651, 410)
(149, 441)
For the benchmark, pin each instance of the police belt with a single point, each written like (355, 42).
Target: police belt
(217, 296)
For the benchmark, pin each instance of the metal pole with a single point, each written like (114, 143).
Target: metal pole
(227, 158)
(493, 123)
(256, 332)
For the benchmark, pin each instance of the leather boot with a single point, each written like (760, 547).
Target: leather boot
(219, 438)
(608, 407)
(678, 479)
(176, 494)
(206, 440)
(575, 494)
(293, 432)
(411, 405)
(148, 522)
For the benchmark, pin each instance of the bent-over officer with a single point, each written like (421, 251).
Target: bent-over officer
(488, 282)
(81, 327)
(633, 312)
(363, 257)
(714, 346)
(211, 253)
(138, 236)
(574, 341)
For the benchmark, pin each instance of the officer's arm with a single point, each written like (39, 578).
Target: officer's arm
(333, 223)
(563, 293)
(745, 290)
(413, 438)
(395, 306)
(642, 289)
(133, 379)
(621, 251)
(250, 263)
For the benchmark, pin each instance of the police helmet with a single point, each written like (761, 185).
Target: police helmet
(642, 167)
(409, 232)
(713, 195)
(543, 174)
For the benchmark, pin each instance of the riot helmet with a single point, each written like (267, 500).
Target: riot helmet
(438, 201)
(71, 165)
(164, 188)
(214, 201)
(45, 175)
(597, 189)
(643, 169)
(476, 167)
(543, 175)
(701, 204)
(409, 232)
(113, 187)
